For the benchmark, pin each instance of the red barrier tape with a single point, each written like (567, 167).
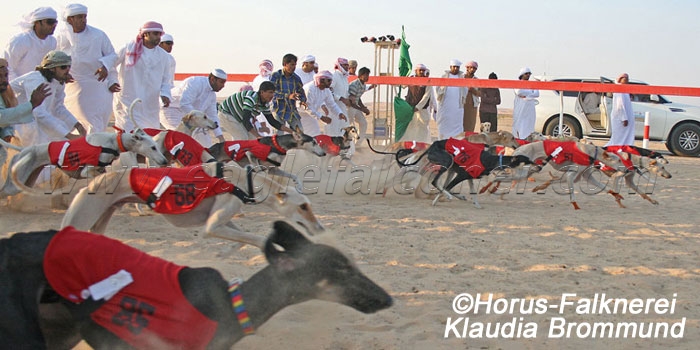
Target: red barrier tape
(493, 83)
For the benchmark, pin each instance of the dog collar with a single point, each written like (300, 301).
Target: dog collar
(120, 143)
(239, 307)
(277, 145)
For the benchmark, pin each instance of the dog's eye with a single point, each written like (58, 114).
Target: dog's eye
(153, 148)
(205, 117)
(304, 207)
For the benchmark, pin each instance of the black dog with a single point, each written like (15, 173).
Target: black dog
(49, 300)
(466, 160)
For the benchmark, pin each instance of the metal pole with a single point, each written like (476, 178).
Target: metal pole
(561, 114)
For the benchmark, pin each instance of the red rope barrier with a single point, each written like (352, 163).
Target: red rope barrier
(493, 83)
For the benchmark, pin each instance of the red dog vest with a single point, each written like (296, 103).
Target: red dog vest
(415, 146)
(326, 143)
(189, 187)
(467, 155)
(152, 306)
(189, 153)
(237, 149)
(71, 155)
(568, 152)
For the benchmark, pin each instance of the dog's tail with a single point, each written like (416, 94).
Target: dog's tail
(9, 145)
(131, 112)
(399, 154)
(378, 152)
(14, 170)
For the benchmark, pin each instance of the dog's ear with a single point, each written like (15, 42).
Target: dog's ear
(138, 134)
(282, 244)
(187, 117)
(281, 198)
(297, 134)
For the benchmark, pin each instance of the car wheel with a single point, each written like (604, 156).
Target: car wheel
(685, 140)
(570, 127)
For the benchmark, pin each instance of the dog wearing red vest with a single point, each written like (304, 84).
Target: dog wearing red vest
(61, 287)
(266, 153)
(573, 158)
(206, 195)
(79, 158)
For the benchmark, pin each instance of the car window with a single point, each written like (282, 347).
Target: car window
(568, 93)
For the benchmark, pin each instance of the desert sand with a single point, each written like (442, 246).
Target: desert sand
(531, 246)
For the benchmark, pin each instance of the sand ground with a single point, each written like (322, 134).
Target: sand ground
(521, 245)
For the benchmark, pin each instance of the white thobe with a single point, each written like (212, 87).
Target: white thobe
(340, 88)
(148, 79)
(25, 51)
(419, 127)
(170, 116)
(524, 112)
(259, 80)
(197, 94)
(52, 121)
(305, 77)
(450, 112)
(621, 111)
(315, 98)
(88, 99)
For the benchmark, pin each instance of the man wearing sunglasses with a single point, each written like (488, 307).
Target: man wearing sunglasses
(52, 121)
(25, 50)
(89, 97)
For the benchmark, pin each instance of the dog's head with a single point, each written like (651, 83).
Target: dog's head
(296, 207)
(143, 144)
(320, 271)
(503, 138)
(350, 134)
(535, 136)
(197, 119)
(486, 127)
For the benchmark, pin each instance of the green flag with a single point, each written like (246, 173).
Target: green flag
(403, 112)
(405, 64)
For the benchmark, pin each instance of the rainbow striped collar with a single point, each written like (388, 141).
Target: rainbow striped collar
(239, 307)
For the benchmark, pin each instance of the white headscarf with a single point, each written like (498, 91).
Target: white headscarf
(74, 9)
(455, 62)
(523, 71)
(308, 58)
(38, 14)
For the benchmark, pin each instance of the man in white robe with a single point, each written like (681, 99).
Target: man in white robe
(199, 93)
(450, 104)
(144, 73)
(318, 96)
(524, 108)
(89, 97)
(170, 115)
(52, 121)
(25, 50)
(622, 117)
(340, 88)
(306, 70)
(12, 112)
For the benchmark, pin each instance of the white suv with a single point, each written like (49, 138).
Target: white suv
(588, 114)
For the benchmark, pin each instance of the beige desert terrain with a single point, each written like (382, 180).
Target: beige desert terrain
(520, 246)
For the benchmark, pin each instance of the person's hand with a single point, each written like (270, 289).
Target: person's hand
(7, 138)
(294, 96)
(365, 111)
(326, 119)
(342, 117)
(303, 104)
(101, 73)
(166, 101)
(372, 86)
(345, 101)
(69, 78)
(115, 87)
(264, 128)
(625, 123)
(39, 94)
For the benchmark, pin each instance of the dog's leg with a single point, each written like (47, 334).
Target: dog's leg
(472, 191)
(570, 175)
(219, 223)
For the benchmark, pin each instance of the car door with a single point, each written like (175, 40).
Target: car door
(606, 106)
(642, 103)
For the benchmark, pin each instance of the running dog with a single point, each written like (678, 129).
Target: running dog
(61, 287)
(338, 145)
(637, 160)
(574, 158)
(205, 195)
(79, 158)
(464, 160)
(178, 145)
(267, 152)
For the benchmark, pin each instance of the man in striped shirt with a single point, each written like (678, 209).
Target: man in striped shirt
(288, 90)
(358, 110)
(236, 112)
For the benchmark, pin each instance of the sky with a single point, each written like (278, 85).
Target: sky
(653, 41)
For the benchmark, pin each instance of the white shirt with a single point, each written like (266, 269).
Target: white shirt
(148, 79)
(87, 98)
(25, 51)
(339, 86)
(197, 94)
(305, 77)
(52, 121)
(315, 98)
